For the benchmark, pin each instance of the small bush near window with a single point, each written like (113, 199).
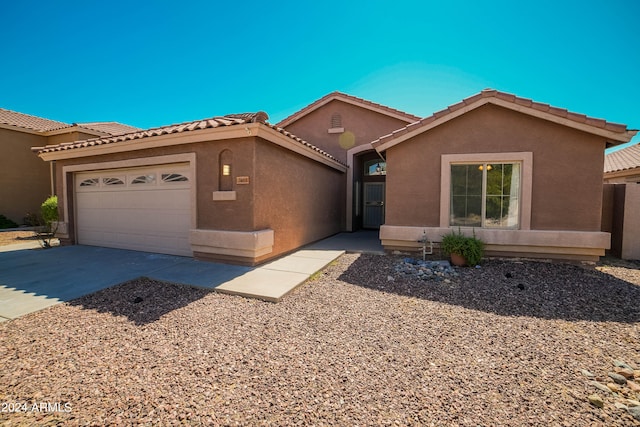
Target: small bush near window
(470, 248)
(6, 222)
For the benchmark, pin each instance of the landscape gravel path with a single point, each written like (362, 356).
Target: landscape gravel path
(507, 344)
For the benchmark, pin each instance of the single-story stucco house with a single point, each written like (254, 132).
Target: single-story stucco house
(25, 180)
(231, 188)
(525, 177)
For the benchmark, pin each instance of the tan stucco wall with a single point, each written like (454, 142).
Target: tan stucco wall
(24, 178)
(210, 215)
(631, 228)
(364, 124)
(301, 200)
(567, 168)
(621, 203)
(289, 198)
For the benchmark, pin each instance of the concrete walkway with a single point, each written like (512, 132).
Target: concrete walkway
(31, 280)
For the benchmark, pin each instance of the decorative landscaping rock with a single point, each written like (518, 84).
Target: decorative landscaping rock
(621, 406)
(625, 372)
(615, 388)
(633, 386)
(596, 401)
(600, 386)
(621, 364)
(619, 379)
(587, 373)
(624, 395)
(426, 270)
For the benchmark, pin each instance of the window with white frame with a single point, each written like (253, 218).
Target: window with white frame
(485, 195)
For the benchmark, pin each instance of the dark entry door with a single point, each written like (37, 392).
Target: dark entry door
(373, 205)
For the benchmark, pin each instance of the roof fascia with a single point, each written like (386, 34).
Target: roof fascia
(21, 129)
(622, 173)
(75, 128)
(441, 118)
(275, 137)
(381, 146)
(214, 134)
(338, 97)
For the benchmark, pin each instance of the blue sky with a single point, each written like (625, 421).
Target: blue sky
(156, 63)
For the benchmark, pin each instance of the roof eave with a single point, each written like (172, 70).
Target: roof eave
(337, 96)
(210, 134)
(388, 141)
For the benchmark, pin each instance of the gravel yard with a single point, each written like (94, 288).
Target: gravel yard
(358, 344)
(13, 237)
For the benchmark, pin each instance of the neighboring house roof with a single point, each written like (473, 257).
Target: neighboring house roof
(409, 118)
(613, 132)
(40, 125)
(622, 160)
(26, 121)
(230, 120)
(110, 128)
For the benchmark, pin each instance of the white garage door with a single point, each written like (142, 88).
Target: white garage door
(145, 209)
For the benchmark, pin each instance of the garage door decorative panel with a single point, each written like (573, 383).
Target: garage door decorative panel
(132, 209)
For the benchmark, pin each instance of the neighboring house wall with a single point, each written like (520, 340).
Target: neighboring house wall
(560, 191)
(357, 126)
(621, 203)
(24, 178)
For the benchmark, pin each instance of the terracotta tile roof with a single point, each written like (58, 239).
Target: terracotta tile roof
(112, 128)
(27, 121)
(214, 122)
(524, 105)
(625, 159)
(409, 118)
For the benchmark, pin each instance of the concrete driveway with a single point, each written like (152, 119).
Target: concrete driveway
(34, 279)
(31, 280)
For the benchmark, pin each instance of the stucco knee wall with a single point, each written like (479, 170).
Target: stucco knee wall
(574, 245)
(242, 247)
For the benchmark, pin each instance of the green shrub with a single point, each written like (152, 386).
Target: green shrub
(6, 222)
(49, 213)
(49, 210)
(470, 248)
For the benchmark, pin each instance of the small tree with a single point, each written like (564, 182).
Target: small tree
(49, 212)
